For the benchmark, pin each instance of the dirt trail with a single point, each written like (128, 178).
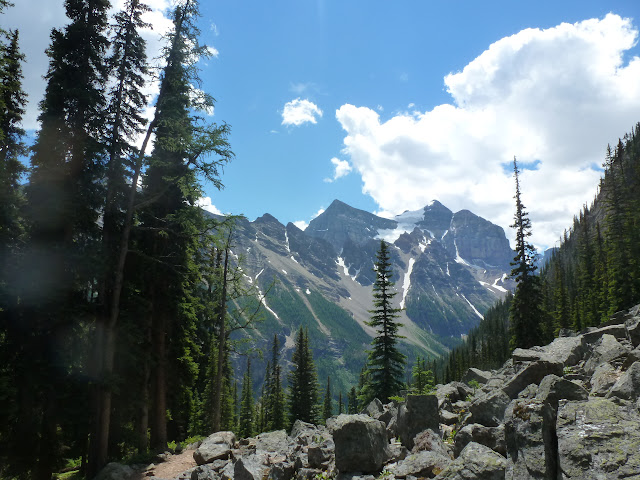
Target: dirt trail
(174, 466)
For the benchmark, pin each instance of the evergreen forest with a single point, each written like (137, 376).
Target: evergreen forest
(122, 303)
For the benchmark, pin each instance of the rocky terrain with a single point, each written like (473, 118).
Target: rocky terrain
(567, 410)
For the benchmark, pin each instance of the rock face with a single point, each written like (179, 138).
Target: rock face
(567, 410)
(418, 414)
(360, 443)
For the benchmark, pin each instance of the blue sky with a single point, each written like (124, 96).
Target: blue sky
(387, 105)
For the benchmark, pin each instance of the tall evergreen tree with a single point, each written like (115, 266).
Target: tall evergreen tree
(303, 382)
(247, 412)
(526, 312)
(327, 404)
(352, 401)
(422, 377)
(385, 364)
(275, 402)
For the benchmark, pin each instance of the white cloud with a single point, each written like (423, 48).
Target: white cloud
(342, 168)
(296, 112)
(302, 225)
(205, 204)
(557, 95)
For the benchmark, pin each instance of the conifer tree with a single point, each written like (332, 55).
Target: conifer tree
(340, 404)
(422, 377)
(327, 405)
(352, 401)
(275, 402)
(303, 382)
(385, 364)
(526, 312)
(247, 412)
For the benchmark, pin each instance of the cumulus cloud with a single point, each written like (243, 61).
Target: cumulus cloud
(556, 96)
(302, 224)
(297, 112)
(342, 168)
(205, 204)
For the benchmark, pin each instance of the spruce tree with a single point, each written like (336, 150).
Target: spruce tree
(275, 395)
(247, 412)
(340, 404)
(352, 401)
(422, 377)
(303, 382)
(385, 364)
(526, 312)
(327, 404)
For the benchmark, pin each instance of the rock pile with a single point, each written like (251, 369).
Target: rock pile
(568, 410)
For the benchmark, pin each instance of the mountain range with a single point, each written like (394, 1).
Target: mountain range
(448, 268)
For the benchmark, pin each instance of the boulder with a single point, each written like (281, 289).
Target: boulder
(321, 455)
(308, 473)
(424, 464)
(632, 326)
(303, 433)
(489, 410)
(419, 413)
(593, 334)
(116, 471)
(476, 462)
(215, 447)
(451, 393)
(428, 440)
(492, 437)
(276, 442)
(531, 373)
(360, 443)
(529, 430)
(281, 471)
(627, 386)
(251, 467)
(204, 472)
(568, 350)
(603, 378)
(389, 412)
(396, 452)
(607, 349)
(475, 374)
(598, 439)
(448, 418)
(374, 409)
(553, 388)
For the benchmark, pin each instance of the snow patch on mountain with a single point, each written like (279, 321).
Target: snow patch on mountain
(407, 282)
(472, 307)
(407, 222)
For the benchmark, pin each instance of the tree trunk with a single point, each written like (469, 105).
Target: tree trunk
(159, 431)
(222, 336)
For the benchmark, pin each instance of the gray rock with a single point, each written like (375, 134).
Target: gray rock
(419, 413)
(603, 378)
(593, 334)
(428, 440)
(116, 471)
(374, 409)
(531, 373)
(606, 349)
(390, 411)
(568, 350)
(304, 433)
(204, 472)
(530, 439)
(476, 462)
(489, 410)
(627, 386)
(633, 329)
(424, 464)
(353, 476)
(251, 467)
(478, 375)
(396, 452)
(360, 443)
(448, 418)
(553, 388)
(321, 455)
(273, 442)
(281, 471)
(491, 437)
(451, 393)
(215, 447)
(307, 473)
(598, 439)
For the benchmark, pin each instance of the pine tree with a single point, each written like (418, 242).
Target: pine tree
(526, 311)
(352, 401)
(385, 363)
(303, 382)
(422, 376)
(275, 395)
(327, 406)
(247, 413)
(340, 404)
